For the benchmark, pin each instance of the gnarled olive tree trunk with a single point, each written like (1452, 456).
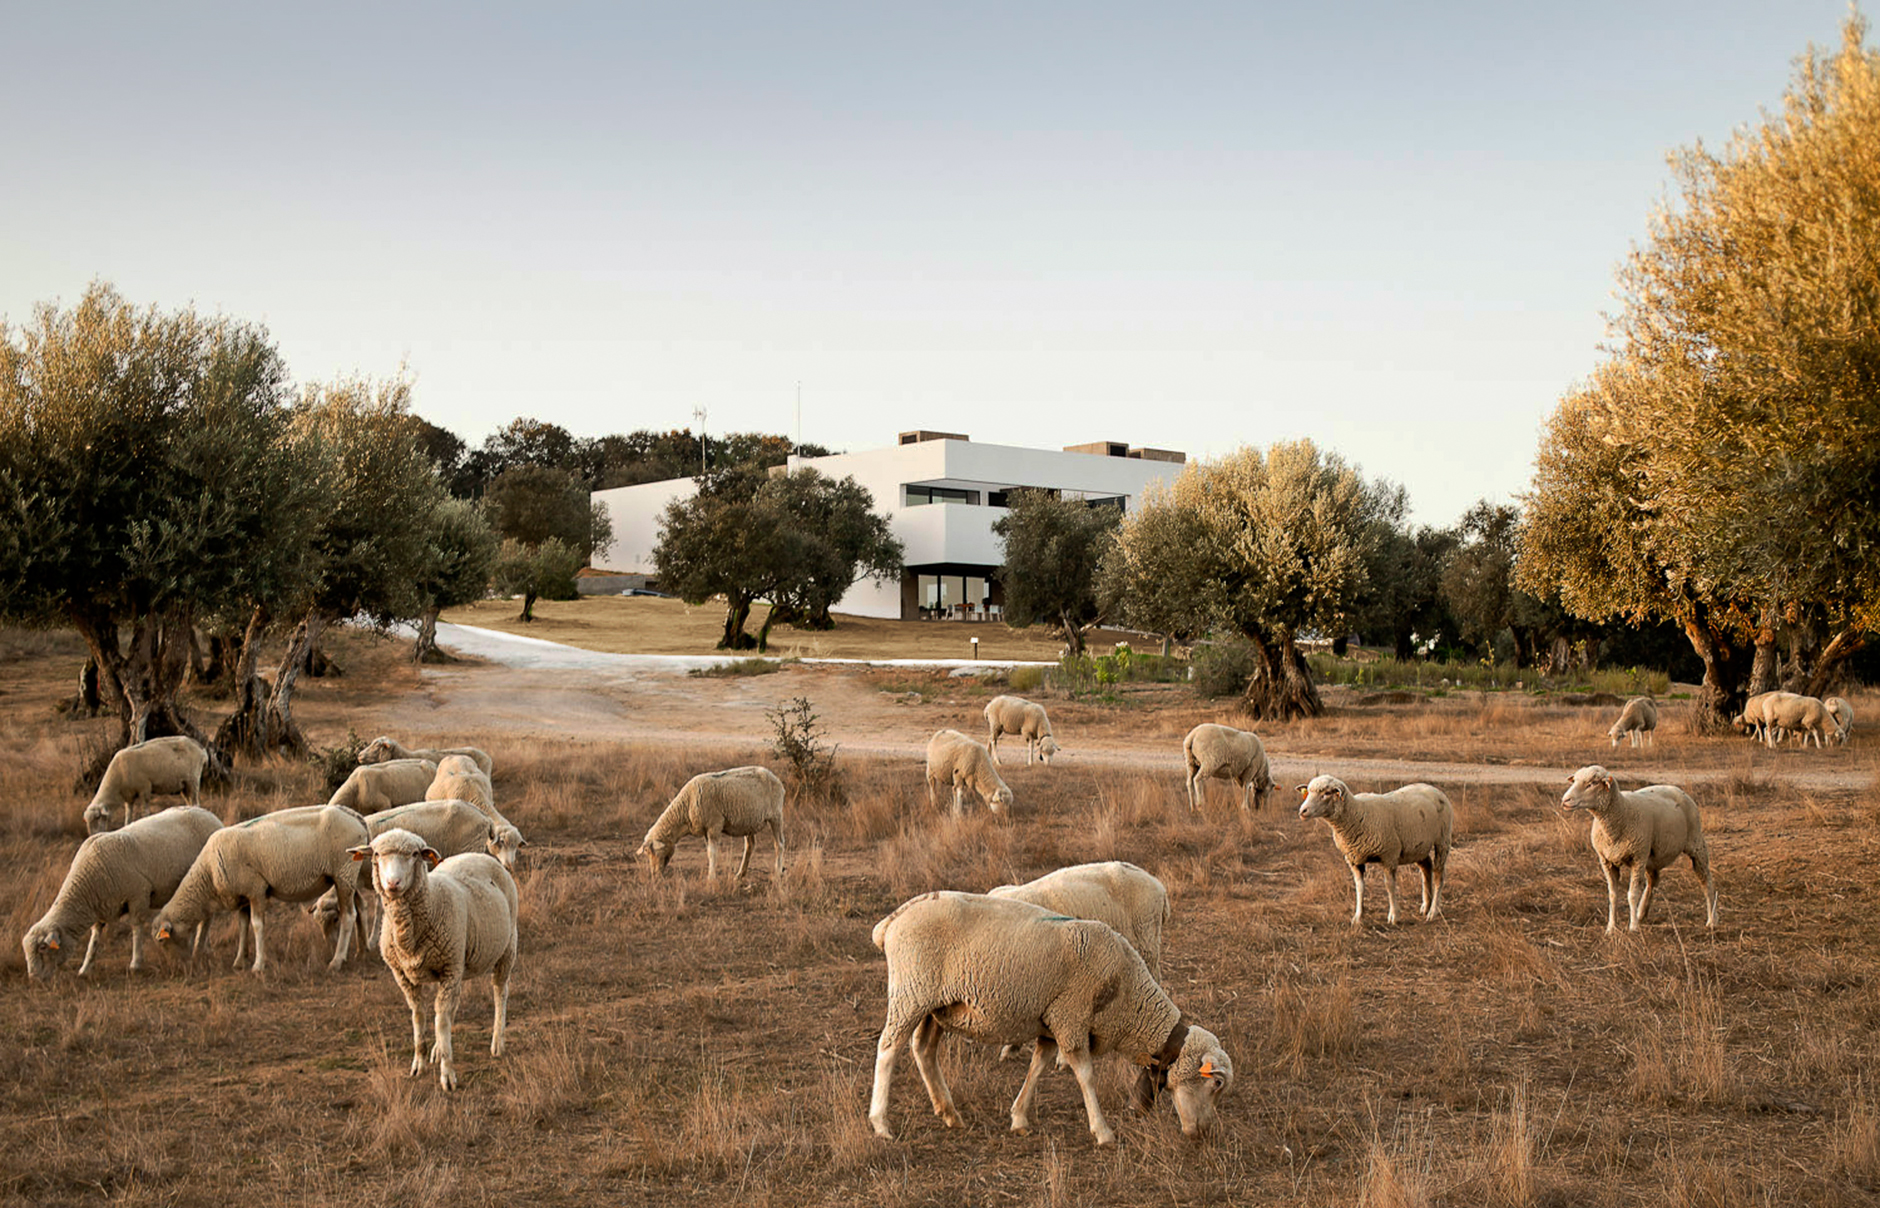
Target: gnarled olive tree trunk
(1281, 687)
(139, 680)
(246, 729)
(1726, 666)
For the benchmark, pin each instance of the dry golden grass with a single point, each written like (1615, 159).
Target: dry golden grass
(678, 1040)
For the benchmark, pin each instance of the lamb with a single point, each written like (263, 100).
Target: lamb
(291, 855)
(1636, 722)
(380, 786)
(445, 919)
(143, 771)
(953, 758)
(384, 748)
(1644, 830)
(131, 871)
(1804, 716)
(1016, 715)
(1410, 825)
(459, 779)
(1001, 971)
(1224, 753)
(449, 827)
(739, 802)
(1843, 717)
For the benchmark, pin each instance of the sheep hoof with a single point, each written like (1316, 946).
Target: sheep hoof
(883, 1131)
(1022, 1127)
(448, 1080)
(950, 1118)
(1105, 1139)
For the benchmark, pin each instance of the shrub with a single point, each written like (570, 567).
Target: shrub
(798, 741)
(1224, 668)
(335, 764)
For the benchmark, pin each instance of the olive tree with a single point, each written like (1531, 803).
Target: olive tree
(1053, 546)
(533, 505)
(459, 557)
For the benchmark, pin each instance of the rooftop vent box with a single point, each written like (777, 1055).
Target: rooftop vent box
(914, 438)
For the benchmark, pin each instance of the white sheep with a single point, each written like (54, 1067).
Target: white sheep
(385, 747)
(1636, 722)
(380, 786)
(444, 920)
(459, 779)
(956, 760)
(1027, 719)
(131, 871)
(1224, 753)
(1001, 971)
(449, 827)
(1757, 718)
(738, 802)
(1414, 824)
(1643, 830)
(144, 771)
(291, 855)
(1803, 716)
(1843, 717)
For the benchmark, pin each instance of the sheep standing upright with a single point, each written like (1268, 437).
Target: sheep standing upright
(1223, 753)
(144, 771)
(1643, 830)
(1411, 825)
(131, 871)
(444, 920)
(1027, 719)
(738, 802)
(956, 760)
(1803, 716)
(1002, 971)
(1636, 722)
(291, 855)
(450, 827)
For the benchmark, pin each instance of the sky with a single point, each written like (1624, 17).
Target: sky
(1390, 228)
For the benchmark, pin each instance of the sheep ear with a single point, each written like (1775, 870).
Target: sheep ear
(359, 853)
(522, 842)
(1607, 781)
(430, 856)
(1303, 789)
(52, 943)
(163, 932)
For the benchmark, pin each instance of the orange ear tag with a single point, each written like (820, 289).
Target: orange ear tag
(1207, 1069)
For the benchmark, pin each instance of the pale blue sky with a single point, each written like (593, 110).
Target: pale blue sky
(1389, 227)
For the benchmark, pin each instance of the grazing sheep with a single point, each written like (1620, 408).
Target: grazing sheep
(449, 827)
(1224, 753)
(131, 871)
(384, 748)
(953, 758)
(291, 855)
(1757, 718)
(1016, 715)
(1644, 830)
(445, 920)
(739, 802)
(459, 779)
(1001, 971)
(144, 771)
(380, 786)
(1843, 717)
(1636, 722)
(1410, 825)
(1803, 716)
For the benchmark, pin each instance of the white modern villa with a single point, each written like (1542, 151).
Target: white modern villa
(941, 492)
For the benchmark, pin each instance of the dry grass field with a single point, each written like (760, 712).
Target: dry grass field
(673, 1041)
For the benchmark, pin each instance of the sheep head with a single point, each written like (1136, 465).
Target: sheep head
(1198, 1079)
(1322, 797)
(1590, 788)
(658, 853)
(1001, 802)
(377, 751)
(506, 844)
(1047, 747)
(45, 952)
(97, 817)
(400, 861)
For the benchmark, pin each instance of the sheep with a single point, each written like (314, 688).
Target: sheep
(1757, 716)
(444, 920)
(1410, 825)
(385, 747)
(1843, 717)
(1803, 716)
(380, 786)
(1002, 971)
(131, 871)
(1636, 722)
(738, 802)
(291, 855)
(1224, 753)
(143, 771)
(953, 758)
(1644, 830)
(449, 827)
(1016, 715)
(1132, 901)
(459, 779)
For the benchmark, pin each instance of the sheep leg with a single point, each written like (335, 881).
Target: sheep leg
(1634, 890)
(1612, 894)
(1194, 798)
(138, 925)
(1700, 864)
(925, 1045)
(958, 805)
(1423, 870)
(1085, 1070)
(744, 865)
(894, 1033)
(410, 990)
(499, 995)
(444, 1018)
(1390, 892)
(1246, 796)
(242, 914)
(1357, 885)
(348, 909)
(256, 911)
(201, 942)
(776, 842)
(1645, 899)
(1042, 1051)
(992, 748)
(931, 803)
(1031, 745)
(91, 946)
(711, 855)
(1435, 878)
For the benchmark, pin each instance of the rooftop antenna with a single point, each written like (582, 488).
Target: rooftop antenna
(799, 419)
(698, 416)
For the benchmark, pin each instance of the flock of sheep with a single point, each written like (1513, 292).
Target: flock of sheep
(1069, 964)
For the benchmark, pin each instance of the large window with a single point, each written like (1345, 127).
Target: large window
(943, 595)
(920, 495)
